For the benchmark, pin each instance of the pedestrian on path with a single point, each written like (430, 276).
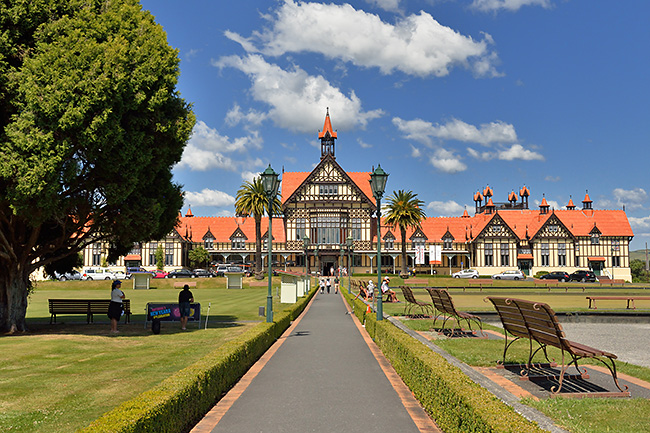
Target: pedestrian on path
(328, 284)
(321, 283)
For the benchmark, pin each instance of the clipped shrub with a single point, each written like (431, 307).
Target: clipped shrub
(182, 399)
(540, 273)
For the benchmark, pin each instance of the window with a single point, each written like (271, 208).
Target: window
(137, 249)
(489, 259)
(328, 189)
(389, 243)
(301, 230)
(329, 229)
(97, 254)
(545, 254)
(553, 228)
(208, 243)
(505, 255)
(496, 228)
(418, 242)
(595, 239)
(447, 244)
(561, 254)
(169, 254)
(616, 245)
(616, 261)
(355, 226)
(238, 243)
(153, 246)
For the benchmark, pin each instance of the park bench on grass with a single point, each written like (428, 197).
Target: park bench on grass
(425, 308)
(630, 299)
(189, 283)
(443, 303)
(537, 322)
(363, 292)
(89, 307)
(481, 282)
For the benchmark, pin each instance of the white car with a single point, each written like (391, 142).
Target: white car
(509, 275)
(98, 274)
(466, 273)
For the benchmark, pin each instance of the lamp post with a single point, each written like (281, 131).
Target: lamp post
(349, 242)
(271, 182)
(378, 180)
(305, 245)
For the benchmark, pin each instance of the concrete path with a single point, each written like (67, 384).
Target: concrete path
(324, 377)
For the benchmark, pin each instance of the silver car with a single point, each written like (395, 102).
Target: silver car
(466, 273)
(509, 275)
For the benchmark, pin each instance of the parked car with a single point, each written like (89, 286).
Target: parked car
(557, 275)
(509, 275)
(72, 275)
(202, 273)
(583, 276)
(181, 273)
(98, 274)
(466, 273)
(159, 274)
(134, 269)
(220, 270)
(119, 275)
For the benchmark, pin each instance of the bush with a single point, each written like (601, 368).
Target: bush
(182, 399)
(540, 273)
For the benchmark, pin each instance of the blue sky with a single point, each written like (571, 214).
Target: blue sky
(449, 96)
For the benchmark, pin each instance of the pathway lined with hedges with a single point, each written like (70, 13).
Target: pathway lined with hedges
(321, 376)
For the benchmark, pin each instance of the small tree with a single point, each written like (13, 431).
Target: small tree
(160, 258)
(198, 256)
(404, 210)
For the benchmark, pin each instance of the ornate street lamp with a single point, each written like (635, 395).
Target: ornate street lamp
(349, 242)
(305, 245)
(378, 180)
(271, 183)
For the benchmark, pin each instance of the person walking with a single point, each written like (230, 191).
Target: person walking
(321, 283)
(328, 284)
(336, 285)
(185, 297)
(115, 306)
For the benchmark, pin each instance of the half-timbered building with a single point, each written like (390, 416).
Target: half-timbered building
(325, 207)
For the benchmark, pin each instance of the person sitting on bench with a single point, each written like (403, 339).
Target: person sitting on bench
(385, 290)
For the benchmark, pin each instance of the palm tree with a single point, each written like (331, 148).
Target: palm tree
(404, 209)
(252, 200)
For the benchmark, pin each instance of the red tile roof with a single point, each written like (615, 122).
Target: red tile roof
(327, 127)
(223, 227)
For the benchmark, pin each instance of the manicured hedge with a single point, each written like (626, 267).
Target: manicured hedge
(451, 398)
(182, 399)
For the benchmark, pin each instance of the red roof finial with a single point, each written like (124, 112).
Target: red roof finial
(189, 212)
(327, 127)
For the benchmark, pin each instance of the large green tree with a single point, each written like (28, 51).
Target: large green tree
(198, 256)
(404, 210)
(91, 125)
(252, 201)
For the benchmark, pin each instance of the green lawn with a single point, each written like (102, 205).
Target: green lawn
(59, 378)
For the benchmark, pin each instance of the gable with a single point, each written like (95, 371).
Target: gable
(238, 234)
(553, 228)
(496, 228)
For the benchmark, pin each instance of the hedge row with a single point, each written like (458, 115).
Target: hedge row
(450, 397)
(182, 399)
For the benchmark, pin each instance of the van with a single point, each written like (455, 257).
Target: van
(98, 274)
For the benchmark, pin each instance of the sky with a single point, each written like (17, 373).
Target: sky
(449, 96)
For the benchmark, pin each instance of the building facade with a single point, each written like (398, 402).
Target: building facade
(326, 207)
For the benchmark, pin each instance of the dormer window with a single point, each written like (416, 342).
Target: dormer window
(418, 242)
(389, 243)
(595, 238)
(208, 243)
(238, 243)
(448, 243)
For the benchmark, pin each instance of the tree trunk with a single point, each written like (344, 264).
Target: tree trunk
(259, 274)
(405, 271)
(15, 286)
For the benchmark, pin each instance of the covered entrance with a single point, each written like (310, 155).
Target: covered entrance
(525, 263)
(596, 264)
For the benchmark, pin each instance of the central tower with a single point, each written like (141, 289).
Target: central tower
(327, 137)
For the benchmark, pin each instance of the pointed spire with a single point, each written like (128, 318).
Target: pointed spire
(189, 212)
(465, 214)
(570, 205)
(327, 127)
(543, 208)
(487, 192)
(586, 203)
(512, 197)
(327, 137)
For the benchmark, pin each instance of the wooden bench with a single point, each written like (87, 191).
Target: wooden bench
(610, 282)
(189, 283)
(481, 282)
(630, 299)
(443, 303)
(537, 322)
(363, 292)
(425, 308)
(89, 307)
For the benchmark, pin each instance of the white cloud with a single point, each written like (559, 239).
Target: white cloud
(446, 208)
(447, 162)
(486, 134)
(550, 178)
(207, 149)
(209, 197)
(416, 44)
(483, 156)
(632, 199)
(363, 144)
(251, 118)
(642, 223)
(415, 152)
(509, 5)
(248, 176)
(517, 151)
(298, 100)
(552, 203)
(388, 5)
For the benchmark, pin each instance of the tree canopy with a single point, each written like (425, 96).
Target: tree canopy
(404, 210)
(92, 125)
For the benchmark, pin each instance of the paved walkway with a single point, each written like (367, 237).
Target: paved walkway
(323, 375)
